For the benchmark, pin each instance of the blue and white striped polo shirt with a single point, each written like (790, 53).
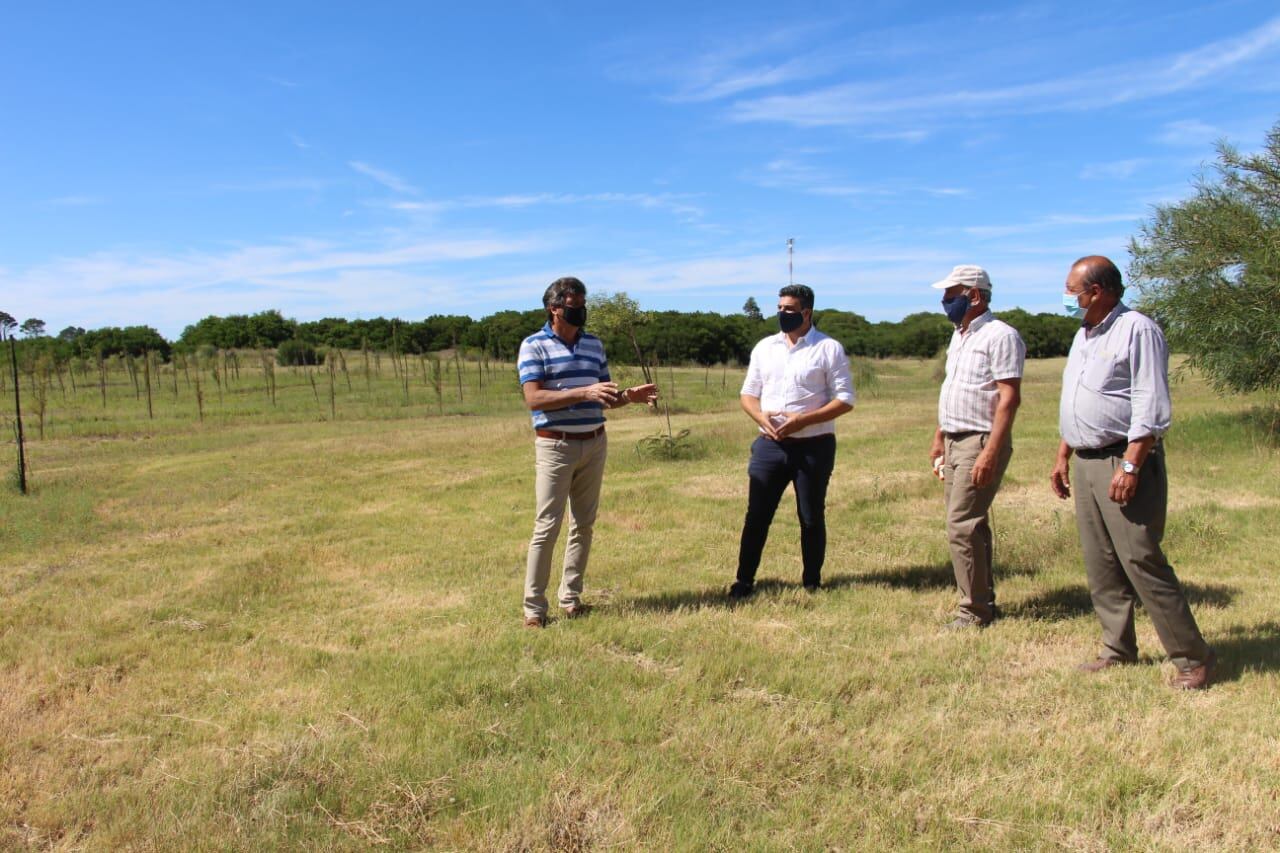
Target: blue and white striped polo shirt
(558, 366)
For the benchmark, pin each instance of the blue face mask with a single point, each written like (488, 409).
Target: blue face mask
(956, 307)
(1071, 305)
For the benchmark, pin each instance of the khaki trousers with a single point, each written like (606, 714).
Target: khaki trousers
(569, 471)
(969, 523)
(1125, 564)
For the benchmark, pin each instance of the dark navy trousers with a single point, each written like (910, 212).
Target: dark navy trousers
(805, 463)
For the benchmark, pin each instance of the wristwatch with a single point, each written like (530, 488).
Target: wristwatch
(1129, 468)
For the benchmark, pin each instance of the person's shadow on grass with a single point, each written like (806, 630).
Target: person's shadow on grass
(1072, 601)
(699, 599)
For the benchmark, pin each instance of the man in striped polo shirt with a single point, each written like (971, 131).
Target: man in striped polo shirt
(565, 378)
(974, 439)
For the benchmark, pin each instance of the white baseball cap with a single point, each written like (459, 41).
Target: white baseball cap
(967, 275)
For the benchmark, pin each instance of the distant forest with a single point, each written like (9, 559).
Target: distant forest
(667, 336)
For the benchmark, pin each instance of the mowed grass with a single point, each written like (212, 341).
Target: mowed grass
(274, 630)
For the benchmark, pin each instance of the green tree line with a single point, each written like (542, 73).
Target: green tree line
(699, 337)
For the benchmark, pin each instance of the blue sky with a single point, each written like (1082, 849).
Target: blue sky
(159, 163)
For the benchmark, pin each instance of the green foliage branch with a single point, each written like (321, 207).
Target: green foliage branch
(1209, 270)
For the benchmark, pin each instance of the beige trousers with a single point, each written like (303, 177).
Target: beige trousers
(568, 471)
(1125, 563)
(969, 523)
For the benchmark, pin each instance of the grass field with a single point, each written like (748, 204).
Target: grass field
(278, 629)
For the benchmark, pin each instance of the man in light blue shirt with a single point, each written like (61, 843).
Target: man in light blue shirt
(1114, 410)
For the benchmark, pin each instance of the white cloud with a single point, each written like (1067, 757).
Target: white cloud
(1046, 223)
(923, 100)
(300, 184)
(1190, 132)
(125, 287)
(389, 180)
(794, 172)
(679, 204)
(75, 201)
(1116, 170)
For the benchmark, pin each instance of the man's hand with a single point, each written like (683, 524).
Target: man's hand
(937, 450)
(984, 467)
(769, 423)
(1060, 477)
(641, 394)
(785, 424)
(601, 392)
(1123, 487)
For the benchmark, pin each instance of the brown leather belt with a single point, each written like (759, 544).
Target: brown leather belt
(572, 436)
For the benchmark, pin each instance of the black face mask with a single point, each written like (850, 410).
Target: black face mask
(576, 317)
(789, 321)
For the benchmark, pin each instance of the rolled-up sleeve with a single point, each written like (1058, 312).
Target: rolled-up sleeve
(753, 384)
(1152, 409)
(839, 378)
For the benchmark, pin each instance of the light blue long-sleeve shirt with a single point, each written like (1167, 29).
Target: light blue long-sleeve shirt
(1116, 384)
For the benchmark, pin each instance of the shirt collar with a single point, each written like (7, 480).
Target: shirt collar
(978, 322)
(807, 338)
(1120, 308)
(551, 334)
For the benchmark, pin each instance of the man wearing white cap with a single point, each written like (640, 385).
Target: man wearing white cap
(973, 442)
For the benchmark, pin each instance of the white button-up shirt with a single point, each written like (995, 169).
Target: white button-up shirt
(1116, 384)
(802, 378)
(988, 352)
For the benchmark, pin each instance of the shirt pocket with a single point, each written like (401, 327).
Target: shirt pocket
(977, 368)
(809, 379)
(1105, 372)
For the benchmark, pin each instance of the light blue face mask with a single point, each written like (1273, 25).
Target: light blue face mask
(1071, 305)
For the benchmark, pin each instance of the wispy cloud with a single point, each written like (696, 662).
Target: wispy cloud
(921, 100)
(795, 173)
(1116, 170)
(380, 273)
(268, 185)
(282, 82)
(389, 180)
(1058, 222)
(679, 204)
(727, 66)
(75, 201)
(299, 142)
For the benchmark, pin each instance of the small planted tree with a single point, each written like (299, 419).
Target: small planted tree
(620, 315)
(7, 325)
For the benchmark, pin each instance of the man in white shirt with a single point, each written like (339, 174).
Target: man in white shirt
(797, 383)
(973, 443)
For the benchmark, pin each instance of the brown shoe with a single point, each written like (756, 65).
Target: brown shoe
(1102, 663)
(535, 621)
(1196, 677)
(573, 611)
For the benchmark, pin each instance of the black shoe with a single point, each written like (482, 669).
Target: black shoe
(812, 587)
(741, 591)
